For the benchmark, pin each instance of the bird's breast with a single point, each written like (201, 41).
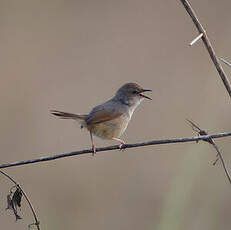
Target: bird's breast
(110, 129)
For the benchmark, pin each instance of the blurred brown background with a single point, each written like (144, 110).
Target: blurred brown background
(72, 55)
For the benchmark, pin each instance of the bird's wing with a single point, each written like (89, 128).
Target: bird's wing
(99, 115)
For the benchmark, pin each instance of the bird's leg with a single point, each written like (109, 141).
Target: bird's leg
(93, 145)
(120, 141)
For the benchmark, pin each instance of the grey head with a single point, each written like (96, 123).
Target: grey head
(131, 94)
(125, 101)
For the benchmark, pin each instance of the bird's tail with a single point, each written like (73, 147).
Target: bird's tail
(64, 115)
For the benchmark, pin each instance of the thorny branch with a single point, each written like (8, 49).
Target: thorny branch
(201, 132)
(20, 190)
(116, 147)
(219, 68)
(207, 44)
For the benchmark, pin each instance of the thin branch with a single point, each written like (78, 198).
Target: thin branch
(202, 132)
(226, 62)
(116, 147)
(26, 197)
(222, 161)
(207, 45)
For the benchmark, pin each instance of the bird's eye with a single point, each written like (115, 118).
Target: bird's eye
(135, 92)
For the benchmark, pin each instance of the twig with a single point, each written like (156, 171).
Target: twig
(196, 39)
(211, 141)
(222, 161)
(26, 197)
(116, 147)
(226, 62)
(207, 45)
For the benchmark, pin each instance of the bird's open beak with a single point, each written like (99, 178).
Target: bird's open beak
(145, 90)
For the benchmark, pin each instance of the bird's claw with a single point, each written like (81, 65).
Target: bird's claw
(93, 150)
(121, 147)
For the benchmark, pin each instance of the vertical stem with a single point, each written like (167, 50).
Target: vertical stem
(208, 45)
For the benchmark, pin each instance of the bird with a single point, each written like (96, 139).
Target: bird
(110, 119)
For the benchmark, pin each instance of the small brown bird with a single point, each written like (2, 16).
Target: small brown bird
(110, 119)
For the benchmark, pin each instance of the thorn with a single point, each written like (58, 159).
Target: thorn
(226, 62)
(214, 163)
(199, 131)
(196, 39)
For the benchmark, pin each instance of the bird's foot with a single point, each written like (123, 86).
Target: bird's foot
(121, 147)
(122, 143)
(93, 150)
